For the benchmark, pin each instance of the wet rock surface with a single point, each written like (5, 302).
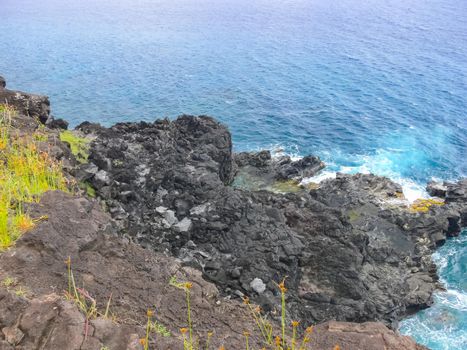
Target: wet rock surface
(260, 170)
(351, 249)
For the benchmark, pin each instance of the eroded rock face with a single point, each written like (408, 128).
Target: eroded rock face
(350, 249)
(50, 322)
(30, 105)
(36, 106)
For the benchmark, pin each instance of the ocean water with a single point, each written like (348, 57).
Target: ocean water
(443, 326)
(369, 86)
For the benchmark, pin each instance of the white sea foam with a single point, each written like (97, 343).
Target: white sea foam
(411, 189)
(279, 151)
(321, 176)
(380, 163)
(454, 299)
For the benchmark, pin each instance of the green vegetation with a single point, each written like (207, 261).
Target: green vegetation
(88, 189)
(79, 145)
(160, 329)
(21, 292)
(25, 174)
(84, 301)
(9, 282)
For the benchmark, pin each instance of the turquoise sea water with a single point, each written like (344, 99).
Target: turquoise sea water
(374, 85)
(443, 326)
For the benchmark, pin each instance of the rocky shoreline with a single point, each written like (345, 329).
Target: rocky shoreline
(178, 200)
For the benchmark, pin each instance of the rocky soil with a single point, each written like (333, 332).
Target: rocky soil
(168, 205)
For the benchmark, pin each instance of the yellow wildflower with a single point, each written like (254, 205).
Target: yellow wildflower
(278, 340)
(282, 286)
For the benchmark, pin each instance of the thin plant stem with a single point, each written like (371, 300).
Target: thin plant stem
(190, 330)
(283, 318)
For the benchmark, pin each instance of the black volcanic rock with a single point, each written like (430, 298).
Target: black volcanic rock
(351, 249)
(2, 82)
(57, 123)
(436, 189)
(35, 106)
(263, 170)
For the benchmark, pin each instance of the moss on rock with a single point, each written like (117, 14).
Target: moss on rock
(79, 145)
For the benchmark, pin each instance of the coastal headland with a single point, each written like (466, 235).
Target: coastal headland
(149, 203)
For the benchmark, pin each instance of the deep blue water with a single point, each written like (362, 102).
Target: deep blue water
(375, 85)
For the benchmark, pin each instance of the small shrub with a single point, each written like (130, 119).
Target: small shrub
(9, 282)
(160, 329)
(21, 292)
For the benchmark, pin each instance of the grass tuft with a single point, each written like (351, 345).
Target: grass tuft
(25, 174)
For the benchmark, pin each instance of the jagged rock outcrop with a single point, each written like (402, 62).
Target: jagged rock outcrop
(259, 170)
(36, 106)
(32, 105)
(351, 249)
